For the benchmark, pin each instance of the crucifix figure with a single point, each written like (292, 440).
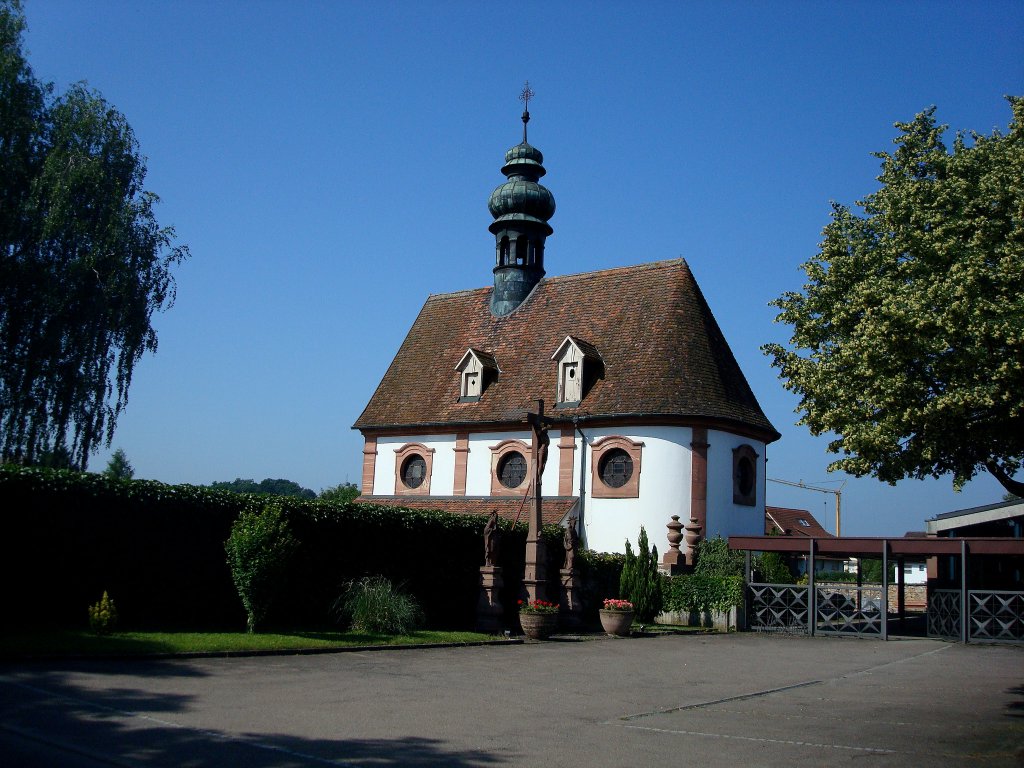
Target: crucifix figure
(533, 575)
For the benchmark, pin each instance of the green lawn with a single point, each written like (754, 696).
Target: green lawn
(84, 643)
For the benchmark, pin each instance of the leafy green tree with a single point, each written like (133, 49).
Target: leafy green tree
(772, 568)
(119, 467)
(908, 338)
(259, 551)
(83, 262)
(714, 558)
(267, 486)
(340, 494)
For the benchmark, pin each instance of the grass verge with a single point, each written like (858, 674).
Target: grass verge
(83, 643)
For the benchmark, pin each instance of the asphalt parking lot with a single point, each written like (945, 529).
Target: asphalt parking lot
(713, 700)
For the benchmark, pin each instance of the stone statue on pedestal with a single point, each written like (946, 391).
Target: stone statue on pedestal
(492, 538)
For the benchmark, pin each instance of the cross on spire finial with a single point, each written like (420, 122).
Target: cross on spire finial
(525, 97)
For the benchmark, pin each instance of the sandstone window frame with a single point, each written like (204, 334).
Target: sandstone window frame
(405, 454)
(599, 449)
(744, 475)
(498, 453)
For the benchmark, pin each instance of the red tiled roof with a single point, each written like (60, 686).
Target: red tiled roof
(663, 355)
(554, 510)
(787, 523)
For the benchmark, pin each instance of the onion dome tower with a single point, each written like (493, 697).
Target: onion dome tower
(521, 208)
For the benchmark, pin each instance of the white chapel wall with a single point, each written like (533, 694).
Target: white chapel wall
(664, 490)
(724, 517)
(478, 461)
(442, 476)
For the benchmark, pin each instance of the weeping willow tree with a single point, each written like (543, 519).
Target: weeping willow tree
(83, 262)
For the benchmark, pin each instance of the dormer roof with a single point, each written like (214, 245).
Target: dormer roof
(664, 356)
(587, 351)
(486, 360)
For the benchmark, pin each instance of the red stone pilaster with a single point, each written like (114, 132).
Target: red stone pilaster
(699, 482)
(461, 461)
(566, 461)
(369, 465)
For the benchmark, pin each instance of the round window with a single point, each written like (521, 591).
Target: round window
(512, 469)
(616, 468)
(414, 471)
(745, 476)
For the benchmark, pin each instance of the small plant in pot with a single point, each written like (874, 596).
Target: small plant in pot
(616, 617)
(538, 618)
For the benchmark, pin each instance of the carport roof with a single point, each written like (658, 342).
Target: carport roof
(865, 546)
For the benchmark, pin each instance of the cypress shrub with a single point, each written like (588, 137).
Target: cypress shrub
(640, 582)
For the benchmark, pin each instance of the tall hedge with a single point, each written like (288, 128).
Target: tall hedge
(158, 550)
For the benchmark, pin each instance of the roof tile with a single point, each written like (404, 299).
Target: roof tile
(663, 354)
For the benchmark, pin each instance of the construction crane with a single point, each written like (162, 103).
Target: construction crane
(838, 493)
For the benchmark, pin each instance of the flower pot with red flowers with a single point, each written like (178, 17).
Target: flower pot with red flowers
(616, 617)
(538, 618)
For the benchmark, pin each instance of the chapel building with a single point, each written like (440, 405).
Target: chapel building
(652, 415)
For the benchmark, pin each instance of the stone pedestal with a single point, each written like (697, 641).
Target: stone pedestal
(534, 579)
(488, 609)
(570, 606)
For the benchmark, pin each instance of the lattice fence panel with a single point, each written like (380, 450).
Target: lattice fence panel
(779, 607)
(849, 610)
(944, 613)
(996, 615)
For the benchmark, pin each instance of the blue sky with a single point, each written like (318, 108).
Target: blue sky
(329, 166)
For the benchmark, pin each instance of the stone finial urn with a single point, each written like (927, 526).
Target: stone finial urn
(692, 537)
(675, 533)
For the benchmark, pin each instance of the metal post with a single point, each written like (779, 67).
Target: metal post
(885, 589)
(964, 634)
(583, 473)
(812, 611)
(748, 599)
(901, 588)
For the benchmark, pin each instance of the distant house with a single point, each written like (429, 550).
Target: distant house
(799, 523)
(783, 521)
(1004, 519)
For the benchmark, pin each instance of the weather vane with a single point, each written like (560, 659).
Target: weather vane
(525, 97)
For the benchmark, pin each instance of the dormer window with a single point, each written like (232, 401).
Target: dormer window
(477, 369)
(579, 365)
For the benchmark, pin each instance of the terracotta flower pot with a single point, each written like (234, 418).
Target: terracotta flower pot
(538, 626)
(616, 623)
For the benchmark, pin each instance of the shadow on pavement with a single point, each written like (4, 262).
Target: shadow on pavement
(46, 719)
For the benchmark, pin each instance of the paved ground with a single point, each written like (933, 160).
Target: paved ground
(727, 700)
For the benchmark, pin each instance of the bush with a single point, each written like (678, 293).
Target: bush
(160, 548)
(373, 604)
(714, 558)
(772, 568)
(259, 550)
(699, 593)
(103, 616)
(640, 582)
